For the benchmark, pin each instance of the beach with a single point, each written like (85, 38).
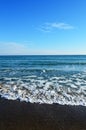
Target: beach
(16, 115)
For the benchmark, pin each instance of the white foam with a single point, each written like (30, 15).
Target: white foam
(60, 90)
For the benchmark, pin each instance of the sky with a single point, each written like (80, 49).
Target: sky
(40, 27)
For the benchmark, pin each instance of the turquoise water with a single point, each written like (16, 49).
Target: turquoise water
(44, 79)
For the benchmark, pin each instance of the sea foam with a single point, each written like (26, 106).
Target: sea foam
(61, 89)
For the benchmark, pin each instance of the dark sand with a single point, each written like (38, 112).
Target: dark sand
(16, 115)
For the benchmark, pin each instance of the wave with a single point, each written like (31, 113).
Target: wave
(44, 63)
(61, 89)
(52, 63)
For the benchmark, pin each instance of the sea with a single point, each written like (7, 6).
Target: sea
(44, 79)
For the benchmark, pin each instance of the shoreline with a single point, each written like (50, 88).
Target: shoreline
(16, 115)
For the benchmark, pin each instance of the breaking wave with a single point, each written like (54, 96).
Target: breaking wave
(62, 89)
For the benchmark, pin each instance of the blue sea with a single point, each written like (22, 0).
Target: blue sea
(44, 79)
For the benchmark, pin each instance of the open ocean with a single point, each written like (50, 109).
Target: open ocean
(44, 79)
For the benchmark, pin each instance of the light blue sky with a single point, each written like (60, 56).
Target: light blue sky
(42, 27)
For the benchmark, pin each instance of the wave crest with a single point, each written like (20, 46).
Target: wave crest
(62, 90)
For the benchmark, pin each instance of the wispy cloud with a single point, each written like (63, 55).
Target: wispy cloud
(12, 48)
(7, 48)
(48, 27)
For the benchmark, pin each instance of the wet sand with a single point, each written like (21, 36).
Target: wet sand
(16, 115)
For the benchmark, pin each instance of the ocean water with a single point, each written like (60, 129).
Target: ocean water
(44, 79)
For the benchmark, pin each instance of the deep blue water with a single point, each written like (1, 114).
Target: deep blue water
(35, 72)
(18, 66)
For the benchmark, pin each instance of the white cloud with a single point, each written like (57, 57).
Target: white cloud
(48, 27)
(13, 48)
(61, 26)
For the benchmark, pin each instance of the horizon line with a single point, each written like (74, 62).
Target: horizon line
(39, 54)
